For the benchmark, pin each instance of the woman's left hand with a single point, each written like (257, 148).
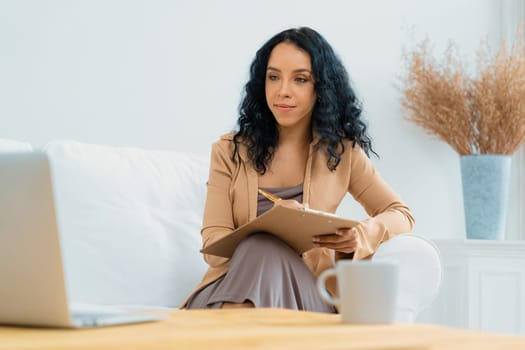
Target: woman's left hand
(344, 240)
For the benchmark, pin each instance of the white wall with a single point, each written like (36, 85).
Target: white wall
(168, 75)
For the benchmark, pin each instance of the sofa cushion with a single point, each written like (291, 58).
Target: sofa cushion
(130, 222)
(7, 145)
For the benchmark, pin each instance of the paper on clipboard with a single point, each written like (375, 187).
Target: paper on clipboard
(296, 227)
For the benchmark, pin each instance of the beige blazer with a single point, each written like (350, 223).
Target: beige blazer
(232, 201)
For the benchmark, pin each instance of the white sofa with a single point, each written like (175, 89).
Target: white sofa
(130, 220)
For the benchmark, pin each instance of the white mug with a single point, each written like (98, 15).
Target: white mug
(367, 291)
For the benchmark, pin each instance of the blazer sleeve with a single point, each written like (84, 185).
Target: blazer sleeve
(218, 215)
(389, 216)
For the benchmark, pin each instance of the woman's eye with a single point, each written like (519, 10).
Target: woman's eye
(301, 80)
(272, 77)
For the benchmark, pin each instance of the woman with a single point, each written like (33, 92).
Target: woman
(301, 138)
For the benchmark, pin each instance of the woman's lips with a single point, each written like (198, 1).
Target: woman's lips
(283, 107)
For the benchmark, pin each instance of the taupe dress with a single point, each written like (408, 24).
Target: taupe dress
(265, 271)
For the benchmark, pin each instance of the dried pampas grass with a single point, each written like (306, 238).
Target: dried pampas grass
(484, 114)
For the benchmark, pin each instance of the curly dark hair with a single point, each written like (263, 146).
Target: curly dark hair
(336, 115)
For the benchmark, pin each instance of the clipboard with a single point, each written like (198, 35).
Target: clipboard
(295, 227)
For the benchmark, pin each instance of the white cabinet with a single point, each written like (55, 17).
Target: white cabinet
(483, 286)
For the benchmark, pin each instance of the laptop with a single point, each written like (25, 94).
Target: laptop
(32, 279)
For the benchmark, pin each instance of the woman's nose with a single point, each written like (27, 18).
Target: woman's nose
(284, 89)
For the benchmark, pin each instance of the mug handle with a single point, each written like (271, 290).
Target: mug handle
(321, 281)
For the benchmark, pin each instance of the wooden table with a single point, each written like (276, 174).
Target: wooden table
(256, 329)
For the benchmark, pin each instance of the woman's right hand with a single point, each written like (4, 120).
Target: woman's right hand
(290, 203)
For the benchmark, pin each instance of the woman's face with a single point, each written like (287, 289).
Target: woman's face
(289, 86)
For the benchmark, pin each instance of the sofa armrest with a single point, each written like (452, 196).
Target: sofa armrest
(420, 272)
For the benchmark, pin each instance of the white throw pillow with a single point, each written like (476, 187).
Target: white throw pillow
(7, 145)
(130, 222)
